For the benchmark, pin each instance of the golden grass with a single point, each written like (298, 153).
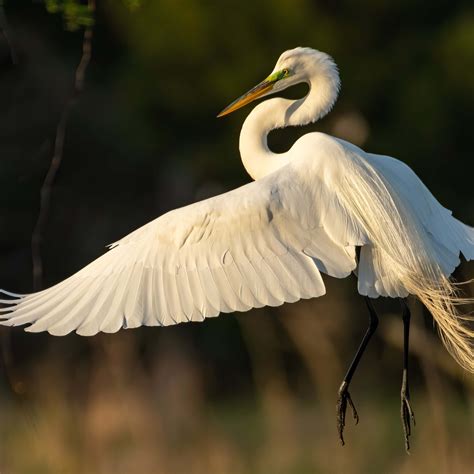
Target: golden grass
(116, 414)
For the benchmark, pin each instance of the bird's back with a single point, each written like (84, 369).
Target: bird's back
(389, 205)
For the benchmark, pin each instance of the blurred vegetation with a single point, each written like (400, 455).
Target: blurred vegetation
(75, 14)
(250, 393)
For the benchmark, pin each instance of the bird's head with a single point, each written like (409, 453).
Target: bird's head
(293, 67)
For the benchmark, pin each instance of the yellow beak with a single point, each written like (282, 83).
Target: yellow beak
(254, 93)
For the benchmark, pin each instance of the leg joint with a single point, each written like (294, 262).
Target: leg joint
(374, 322)
(405, 311)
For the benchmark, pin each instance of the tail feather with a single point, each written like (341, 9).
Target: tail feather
(442, 301)
(408, 258)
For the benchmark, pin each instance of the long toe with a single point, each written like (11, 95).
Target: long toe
(408, 417)
(342, 401)
(341, 417)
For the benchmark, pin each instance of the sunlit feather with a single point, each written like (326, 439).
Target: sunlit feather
(267, 242)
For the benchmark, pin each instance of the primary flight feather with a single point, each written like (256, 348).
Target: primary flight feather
(267, 242)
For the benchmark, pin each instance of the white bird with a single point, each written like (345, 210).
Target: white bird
(265, 243)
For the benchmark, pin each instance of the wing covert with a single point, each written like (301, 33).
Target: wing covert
(262, 244)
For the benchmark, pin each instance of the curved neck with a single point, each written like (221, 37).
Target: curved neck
(277, 112)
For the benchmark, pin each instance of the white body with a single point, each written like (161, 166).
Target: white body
(262, 244)
(266, 242)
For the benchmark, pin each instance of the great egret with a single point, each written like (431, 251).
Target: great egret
(307, 212)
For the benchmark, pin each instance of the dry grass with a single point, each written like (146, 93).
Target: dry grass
(115, 413)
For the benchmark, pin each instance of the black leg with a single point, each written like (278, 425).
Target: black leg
(344, 395)
(405, 410)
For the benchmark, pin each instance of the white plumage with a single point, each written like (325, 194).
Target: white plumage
(267, 242)
(248, 248)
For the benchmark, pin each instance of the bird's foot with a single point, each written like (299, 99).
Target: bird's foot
(408, 417)
(342, 401)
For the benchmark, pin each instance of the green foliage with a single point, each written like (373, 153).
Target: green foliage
(457, 54)
(77, 14)
(74, 13)
(132, 4)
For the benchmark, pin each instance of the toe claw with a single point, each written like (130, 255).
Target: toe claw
(408, 417)
(355, 415)
(342, 401)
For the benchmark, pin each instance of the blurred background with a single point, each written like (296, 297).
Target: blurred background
(244, 393)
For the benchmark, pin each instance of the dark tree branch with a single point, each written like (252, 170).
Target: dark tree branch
(46, 189)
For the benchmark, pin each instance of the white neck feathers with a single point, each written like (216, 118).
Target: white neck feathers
(277, 112)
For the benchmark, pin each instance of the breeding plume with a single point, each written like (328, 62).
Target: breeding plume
(323, 206)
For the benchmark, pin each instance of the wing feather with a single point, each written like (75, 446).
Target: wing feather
(262, 244)
(445, 230)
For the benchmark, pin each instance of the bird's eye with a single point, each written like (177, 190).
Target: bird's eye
(286, 72)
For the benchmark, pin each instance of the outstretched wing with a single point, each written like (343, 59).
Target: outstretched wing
(262, 244)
